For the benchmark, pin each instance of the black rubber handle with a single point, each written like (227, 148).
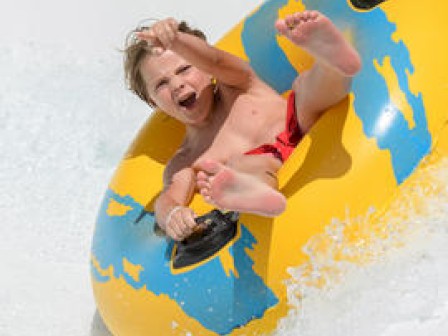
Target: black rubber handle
(365, 4)
(219, 229)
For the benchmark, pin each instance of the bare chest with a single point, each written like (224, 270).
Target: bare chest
(251, 122)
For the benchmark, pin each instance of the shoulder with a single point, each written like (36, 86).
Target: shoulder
(256, 89)
(254, 86)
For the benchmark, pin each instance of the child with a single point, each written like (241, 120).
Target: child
(236, 139)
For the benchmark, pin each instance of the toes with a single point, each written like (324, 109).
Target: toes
(209, 166)
(290, 21)
(281, 27)
(209, 200)
(301, 17)
(203, 185)
(205, 192)
(306, 16)
(294, 20)
(310, 16)
(201, 176)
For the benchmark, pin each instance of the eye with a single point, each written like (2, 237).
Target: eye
(184, 68)
(161, 83)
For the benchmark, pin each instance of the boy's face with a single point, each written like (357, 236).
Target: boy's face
(177, 87)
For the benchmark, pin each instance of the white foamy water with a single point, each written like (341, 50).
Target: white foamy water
(65, 121)
(57, 155)
(400, 290)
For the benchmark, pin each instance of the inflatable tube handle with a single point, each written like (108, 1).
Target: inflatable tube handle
(219, 230)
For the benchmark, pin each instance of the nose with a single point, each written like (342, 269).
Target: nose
(177, 84)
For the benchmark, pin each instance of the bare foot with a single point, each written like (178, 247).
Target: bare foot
(229, 189)
(315, 33)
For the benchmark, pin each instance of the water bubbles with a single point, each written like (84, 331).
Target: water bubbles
(388, 279)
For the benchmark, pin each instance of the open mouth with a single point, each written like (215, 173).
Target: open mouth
(188, 101)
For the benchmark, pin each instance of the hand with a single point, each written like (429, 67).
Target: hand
(160, 35)
(180, 223)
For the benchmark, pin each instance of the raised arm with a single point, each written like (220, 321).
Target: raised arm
(227, 68)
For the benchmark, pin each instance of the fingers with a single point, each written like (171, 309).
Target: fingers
(181, 224)
(149, 36)
(166, 32)
(162, 34)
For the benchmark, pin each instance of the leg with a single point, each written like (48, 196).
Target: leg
(262, 166)
(336, 62)
(244, 190)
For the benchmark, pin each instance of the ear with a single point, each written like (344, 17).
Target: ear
(214, 82)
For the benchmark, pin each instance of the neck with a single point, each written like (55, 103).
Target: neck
(213, 121)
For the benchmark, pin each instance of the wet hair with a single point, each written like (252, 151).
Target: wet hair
(134, 53)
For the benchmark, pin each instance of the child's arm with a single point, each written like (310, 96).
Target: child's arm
(226, 67)
(171, 207)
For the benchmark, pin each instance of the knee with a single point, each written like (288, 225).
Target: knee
(297, 83)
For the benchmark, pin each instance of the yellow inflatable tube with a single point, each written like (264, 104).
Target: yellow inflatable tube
(352, 163)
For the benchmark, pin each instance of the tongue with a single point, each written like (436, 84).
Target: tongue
(188, 101)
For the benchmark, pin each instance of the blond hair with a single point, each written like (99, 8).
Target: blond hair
(134, 53)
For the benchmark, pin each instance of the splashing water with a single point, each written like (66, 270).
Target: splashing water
(65, 122)
(57, 155)
(389, 282)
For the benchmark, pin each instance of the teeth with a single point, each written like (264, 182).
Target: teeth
(190, 99)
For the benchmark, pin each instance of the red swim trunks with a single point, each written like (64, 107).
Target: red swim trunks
(287, 140)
